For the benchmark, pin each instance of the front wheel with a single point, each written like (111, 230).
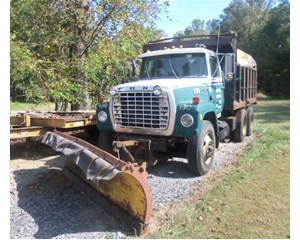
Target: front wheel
(201, 150)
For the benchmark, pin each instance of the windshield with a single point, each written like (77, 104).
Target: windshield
(174, 66)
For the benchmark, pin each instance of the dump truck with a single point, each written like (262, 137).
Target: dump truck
(191, 94)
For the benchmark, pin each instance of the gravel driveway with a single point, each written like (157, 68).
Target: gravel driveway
(46, 204)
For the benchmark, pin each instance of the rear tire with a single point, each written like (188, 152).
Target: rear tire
(105, 140)
(201, 149)
(250, 121)
(241, 125)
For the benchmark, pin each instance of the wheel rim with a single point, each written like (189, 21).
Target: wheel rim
(207, 149)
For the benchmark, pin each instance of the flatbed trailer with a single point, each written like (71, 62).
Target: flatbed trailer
(34, 124)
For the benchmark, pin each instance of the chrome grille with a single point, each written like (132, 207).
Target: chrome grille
(141, 110)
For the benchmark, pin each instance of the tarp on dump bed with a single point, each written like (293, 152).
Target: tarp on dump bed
(245, 59)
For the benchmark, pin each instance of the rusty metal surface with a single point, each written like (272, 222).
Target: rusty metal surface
(130, 150)
(123, 183)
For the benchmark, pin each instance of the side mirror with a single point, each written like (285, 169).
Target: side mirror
(229, 67)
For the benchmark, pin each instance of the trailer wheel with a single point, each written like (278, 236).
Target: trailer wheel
(250, 121)
(241, 125)
(201, 149)
(105, 139)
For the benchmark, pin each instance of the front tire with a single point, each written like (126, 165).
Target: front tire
(201, 149)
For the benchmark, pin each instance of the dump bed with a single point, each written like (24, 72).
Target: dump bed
(244, 84)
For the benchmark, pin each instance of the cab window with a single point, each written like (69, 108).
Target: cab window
(215, 72)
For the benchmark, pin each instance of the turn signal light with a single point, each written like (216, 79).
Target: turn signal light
(196, 100)
(100, 99)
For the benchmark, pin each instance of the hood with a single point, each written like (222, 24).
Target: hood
(163, 83)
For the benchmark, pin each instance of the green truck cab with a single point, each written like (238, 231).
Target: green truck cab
(192, 93)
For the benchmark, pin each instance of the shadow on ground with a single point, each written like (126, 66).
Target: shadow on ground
(173, 168)
(57, 205)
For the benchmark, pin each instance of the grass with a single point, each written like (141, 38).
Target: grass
(21, 106)
(247, 199)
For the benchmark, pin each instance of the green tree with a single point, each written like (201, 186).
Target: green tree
(24, 74)
(197, 28)
(179, 34)
(60, 35)
(247, 18)
(272, 51)
(110, 63)
(213, 26)
(200, 27)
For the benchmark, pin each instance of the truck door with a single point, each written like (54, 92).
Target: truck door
(217, 87)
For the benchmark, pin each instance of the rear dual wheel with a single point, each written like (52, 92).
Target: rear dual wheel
(250, 121)
(244, 123)
(241, 125)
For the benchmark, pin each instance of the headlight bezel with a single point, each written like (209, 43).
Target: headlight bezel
(187, 120)
(113, 91)
(157, 90)
(102, 116)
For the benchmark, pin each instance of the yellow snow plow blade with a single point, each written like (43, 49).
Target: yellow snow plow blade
(122, 183)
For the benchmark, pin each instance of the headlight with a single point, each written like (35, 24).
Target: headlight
(187, 120)
(113, 91)
(102, 116)
(157, 90)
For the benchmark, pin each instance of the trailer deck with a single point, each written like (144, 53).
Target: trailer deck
(34, 124)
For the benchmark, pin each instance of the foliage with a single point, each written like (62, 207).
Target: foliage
(110, 64)
(273, 52)
(200, 27)
(57, 42)
(264, 32)
(23, 82)
(247, 18)
(197, 28)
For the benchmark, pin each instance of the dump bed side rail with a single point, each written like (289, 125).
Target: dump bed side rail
(224, 43)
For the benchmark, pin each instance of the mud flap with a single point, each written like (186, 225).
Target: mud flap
(122, 183)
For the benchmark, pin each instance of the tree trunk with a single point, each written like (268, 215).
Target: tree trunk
(83, 94)
(77, 52)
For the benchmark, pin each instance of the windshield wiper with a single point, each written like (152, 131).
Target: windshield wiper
(173, 68)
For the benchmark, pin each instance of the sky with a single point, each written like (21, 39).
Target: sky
(182, 12)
